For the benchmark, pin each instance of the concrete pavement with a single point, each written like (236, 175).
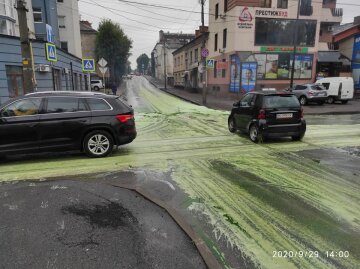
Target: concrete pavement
(215, 101)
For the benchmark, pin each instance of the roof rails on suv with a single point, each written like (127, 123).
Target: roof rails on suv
(67, 93)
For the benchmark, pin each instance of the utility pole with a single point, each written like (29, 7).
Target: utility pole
(295, 47)
(203, 59)
(165, 77)
(26, 51)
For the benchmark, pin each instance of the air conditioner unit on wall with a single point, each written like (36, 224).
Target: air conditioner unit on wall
(66, 70)
(330, 28)
(44, 68)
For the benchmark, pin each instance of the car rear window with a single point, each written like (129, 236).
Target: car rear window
(280, 101)
(317, 88)
(124, 106)
(97, 104)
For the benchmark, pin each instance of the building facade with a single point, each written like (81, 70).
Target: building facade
(188, 62)
(162, 54)
(9, 18)
(346, 38)
(252, 42)
(69, 28)
(65, 74)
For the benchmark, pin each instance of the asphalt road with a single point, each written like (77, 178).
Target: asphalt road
(78, 224)
(246, 201)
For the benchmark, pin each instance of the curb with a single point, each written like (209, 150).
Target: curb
(205, 253)
(306, 113)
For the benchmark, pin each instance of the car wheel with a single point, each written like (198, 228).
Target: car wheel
(330, 100)
(254, 134)
(298, 137)
(302, 100)
(98, 144)
(96, 88)
(344, 102)
(232, 125)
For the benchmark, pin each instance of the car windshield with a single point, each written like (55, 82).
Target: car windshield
(317, 87)
(280, 101)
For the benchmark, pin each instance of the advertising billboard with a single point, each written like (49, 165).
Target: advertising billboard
(235, 74)
(248, 77)
(356, 62)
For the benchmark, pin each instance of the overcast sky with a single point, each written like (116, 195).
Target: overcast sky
(143, 23)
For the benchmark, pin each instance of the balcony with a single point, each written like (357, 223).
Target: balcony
(337, 12)
(331, 15)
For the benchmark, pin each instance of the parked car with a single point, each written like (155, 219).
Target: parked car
(96, 85)
(268, 114)
(310, 93)
(338, 88)
(48, 121)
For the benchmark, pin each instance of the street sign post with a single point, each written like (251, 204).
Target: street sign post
(103, 69)
(204, 52)
(210, 63)
(51, 52)
(88, 65)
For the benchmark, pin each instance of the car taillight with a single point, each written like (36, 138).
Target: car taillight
(302, 113)
(124, 118)
(261, 114)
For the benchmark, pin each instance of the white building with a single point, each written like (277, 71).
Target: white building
(69, 26)
(9, 18)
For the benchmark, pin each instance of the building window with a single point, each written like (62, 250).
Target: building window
(265, 3)
(275, 32)
(224, 38)
(305, 8)
(216, 11)
(225, 6)
(216, 42)
(223, 73)
(60, 1)
(61, 21)
(191, 58)
(3, 28)
(64, 46)
(37, 15)
(282, 4)
(196, 55)
(215, 70)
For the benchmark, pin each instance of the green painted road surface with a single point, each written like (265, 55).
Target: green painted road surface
(260, 201)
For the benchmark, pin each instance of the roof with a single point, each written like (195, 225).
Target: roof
(200, 37)
(341, 28)
(332, 57)
(85, 26)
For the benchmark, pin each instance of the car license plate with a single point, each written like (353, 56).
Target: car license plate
(321, 94)
(284, 116)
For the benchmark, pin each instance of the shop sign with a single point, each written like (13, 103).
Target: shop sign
(221, 65)
(245, 19)
(271, 13)
(279, 49)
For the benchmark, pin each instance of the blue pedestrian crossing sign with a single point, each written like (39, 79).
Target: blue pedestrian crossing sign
(51, 52)
(210, 63)
(88, 65)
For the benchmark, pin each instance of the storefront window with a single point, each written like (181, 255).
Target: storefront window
(278, 66)
(281, 32)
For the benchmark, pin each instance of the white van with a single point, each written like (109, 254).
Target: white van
(338, 88)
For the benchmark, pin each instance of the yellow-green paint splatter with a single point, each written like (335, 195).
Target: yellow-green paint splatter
(258, 198)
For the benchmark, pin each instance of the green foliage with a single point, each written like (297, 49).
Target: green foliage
(143, 59)
(114, 46)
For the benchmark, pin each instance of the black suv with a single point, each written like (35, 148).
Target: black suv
(48, 121)
(268, 114)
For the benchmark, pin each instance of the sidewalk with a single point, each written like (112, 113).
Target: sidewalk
(223, 103)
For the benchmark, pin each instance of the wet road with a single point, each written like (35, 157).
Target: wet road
(281, 204)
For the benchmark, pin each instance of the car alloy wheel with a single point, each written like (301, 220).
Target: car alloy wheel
(232, 125)
(330, 100)
(254, 134)
(98, 144)
(302, 100)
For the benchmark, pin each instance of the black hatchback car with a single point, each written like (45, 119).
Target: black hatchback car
(268, 114)
(52, 121)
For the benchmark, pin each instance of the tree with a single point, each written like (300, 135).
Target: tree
(142, 63)
(114, 46)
